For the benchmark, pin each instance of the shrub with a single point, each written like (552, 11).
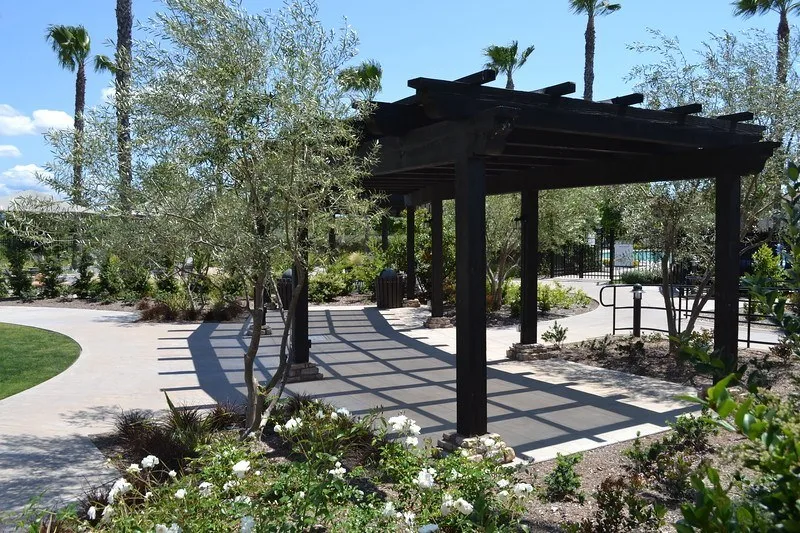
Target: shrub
(166, 282)
(599, 347)
(555, 334)
(620, 509)
(325, 286)
(555, 295)
(650, 276)
(83, 284)
(767, 265)
(111, 283)
(512, 296)
(50, 268)
(563, 483)
(167, 306)
(135, 280)
(19, 280)
(633, 348)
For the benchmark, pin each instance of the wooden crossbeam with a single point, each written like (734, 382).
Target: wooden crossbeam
(478, 78)
(737, 117)
(560, 89)
(688, 109)
(625, 100)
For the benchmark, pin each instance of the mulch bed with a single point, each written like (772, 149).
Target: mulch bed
(71, 304)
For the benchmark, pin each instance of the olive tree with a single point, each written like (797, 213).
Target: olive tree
(244, 144)
(729, 73)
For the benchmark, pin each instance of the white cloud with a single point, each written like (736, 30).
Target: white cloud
(8, 150)
(20, 178)
(107, 94)
(12, 122)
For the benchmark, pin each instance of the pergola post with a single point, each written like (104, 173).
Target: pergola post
(470, 192)
(300, 342)
(384, 233)
(411, 266)
(529, 217)
(726, 268)
(437, 260)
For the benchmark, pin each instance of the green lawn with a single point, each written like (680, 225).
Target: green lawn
(29, 356)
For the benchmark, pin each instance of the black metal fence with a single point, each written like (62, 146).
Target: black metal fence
(750, 313)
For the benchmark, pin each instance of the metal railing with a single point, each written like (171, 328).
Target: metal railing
(682, 298)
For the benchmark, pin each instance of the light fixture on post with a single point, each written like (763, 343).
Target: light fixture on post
(637, 310)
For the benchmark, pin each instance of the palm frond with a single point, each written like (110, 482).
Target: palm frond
(748, 8)
(103, 63)
(525, 54)
(581, 6)
(70, 43)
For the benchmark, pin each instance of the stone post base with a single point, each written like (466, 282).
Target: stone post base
(265, 330)
(436, 322)
(303, 372)
(489, 446)
(530, 352)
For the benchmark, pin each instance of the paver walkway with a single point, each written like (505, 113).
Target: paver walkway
(538, 408)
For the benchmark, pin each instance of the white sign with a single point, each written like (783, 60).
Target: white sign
(623, 254)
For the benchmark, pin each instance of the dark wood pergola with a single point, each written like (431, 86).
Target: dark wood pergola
(462, 140)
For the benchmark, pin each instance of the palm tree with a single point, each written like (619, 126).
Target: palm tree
(592, 8)
(120, 66)
(506, 60)
(364, 79)
(72, 46)
(748, 8)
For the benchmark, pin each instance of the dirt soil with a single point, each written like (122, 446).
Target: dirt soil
(71, 304)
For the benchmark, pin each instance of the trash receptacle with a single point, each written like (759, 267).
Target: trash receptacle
(285, 288)
(389, 289)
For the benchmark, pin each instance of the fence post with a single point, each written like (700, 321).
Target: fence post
(611, 241)
(581, 258)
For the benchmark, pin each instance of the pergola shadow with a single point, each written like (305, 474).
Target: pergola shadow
(367, 364)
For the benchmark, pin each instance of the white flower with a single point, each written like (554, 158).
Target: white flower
(463, 506)
(454, 474)
(257, 472)
(108, 512)
(320, 414)
(447, 505)
(342, 411)
(521, 489)
(409, 517)
(425, 478)
(173, 474)
(301, 495)
(150, 461)
(180, 494)
(334, 415)
(502, 495)
(414, 429)
(278, 428)
(241, 468)
(205, 488)
(229, 485)
(516, 464)
(248, 524)
(133, 469)
(242, 499)
(411, 441)
(388, 509)
(488, 442)
(174, 528)
(91, 513)
(398, 422)
(121, 486)
(428, 528)
(147, 495)
(293, 423)
(503, 483)
(338, 470)
(161, 528)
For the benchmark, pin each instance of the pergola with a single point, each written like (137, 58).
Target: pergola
(462, 140)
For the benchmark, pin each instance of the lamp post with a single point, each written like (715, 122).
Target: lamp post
(637, 310)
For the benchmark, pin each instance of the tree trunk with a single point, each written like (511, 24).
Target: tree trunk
(509, 80)
(588, 67)
(783, 48)
(123, 87)
(77, 164)
(253, 398)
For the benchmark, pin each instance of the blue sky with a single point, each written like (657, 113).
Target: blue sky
(411, 38)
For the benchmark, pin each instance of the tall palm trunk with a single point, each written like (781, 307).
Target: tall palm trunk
(588, 67)
(77, 164)
(509, 80)
(123, 84)
(783, 48)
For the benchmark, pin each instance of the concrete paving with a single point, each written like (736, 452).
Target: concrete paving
(539, 408)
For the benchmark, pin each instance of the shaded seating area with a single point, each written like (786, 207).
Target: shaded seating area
(463, 140)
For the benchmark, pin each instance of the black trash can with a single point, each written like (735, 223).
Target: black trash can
(285, 288)
(389, 290)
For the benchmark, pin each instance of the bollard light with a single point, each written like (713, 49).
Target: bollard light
(637, 292)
